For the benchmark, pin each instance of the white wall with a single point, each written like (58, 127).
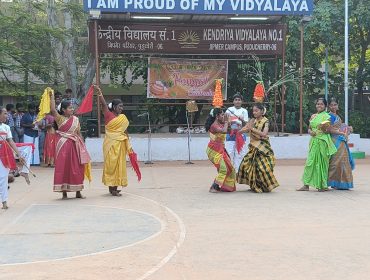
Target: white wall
(175, 148)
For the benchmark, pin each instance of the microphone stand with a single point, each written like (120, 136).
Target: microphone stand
(149, 161)
(187, 120)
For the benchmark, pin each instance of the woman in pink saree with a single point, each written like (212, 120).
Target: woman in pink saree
(72, 161)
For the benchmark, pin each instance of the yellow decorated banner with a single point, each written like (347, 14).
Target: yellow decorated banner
(170, 78)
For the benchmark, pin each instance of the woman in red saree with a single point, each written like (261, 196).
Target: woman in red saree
(72, 161)
(50, 142)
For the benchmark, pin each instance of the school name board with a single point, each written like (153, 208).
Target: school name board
(116, 37)
(242, 7)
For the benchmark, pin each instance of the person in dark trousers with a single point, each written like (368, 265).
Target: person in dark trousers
(31, 132)
(19, 130)
(10, 119)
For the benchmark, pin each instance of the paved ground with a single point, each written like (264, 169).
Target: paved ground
(169, 227)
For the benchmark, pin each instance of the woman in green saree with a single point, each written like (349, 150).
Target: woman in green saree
(320, 150)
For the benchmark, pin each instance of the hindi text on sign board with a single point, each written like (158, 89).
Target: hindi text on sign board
(191, 39)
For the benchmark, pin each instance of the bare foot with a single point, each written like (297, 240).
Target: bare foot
(303, 189)
(323, 190)
(79, 195)
(214, 188)
(65, 196)
(116, 193)
(5, 205)
(26, 177)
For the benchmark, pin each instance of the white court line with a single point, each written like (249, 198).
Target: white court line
(174, 250)
(163, 223)
(157, 267)
(96, 253)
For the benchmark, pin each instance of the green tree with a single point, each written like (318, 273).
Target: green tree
(25, 46)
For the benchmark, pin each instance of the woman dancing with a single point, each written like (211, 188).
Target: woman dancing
(257, 167)
(217, 125)
(7, 160)
(320, 150)
(72, 161)
(342, 163)
(116, 145)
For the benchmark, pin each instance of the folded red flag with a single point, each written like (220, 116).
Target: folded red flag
(239, 142)
(87, 102)
(7, 156)
(135, 164)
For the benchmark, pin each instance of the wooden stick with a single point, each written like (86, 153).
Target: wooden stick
(25, 165)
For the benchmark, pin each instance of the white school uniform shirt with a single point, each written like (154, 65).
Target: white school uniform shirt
(235, 114)
(5, 131)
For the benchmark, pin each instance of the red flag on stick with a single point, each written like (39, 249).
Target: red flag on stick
(87, 102)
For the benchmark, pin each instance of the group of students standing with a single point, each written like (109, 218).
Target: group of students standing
(329, 162)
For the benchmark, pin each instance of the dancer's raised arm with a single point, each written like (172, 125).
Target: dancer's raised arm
(53, 110)
(102, 99)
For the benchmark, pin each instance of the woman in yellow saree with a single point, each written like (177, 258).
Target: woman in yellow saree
(217, 127)
(116, 145)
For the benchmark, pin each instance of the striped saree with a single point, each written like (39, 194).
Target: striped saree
(217, 154)
(257, 167)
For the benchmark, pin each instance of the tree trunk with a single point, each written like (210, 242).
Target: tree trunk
(69, 51)
(26, 80)
(56, 45)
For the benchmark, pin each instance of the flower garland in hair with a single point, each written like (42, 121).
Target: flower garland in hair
(110, 106)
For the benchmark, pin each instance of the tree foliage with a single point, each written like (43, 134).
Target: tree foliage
(25, 46)
(42, 42)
